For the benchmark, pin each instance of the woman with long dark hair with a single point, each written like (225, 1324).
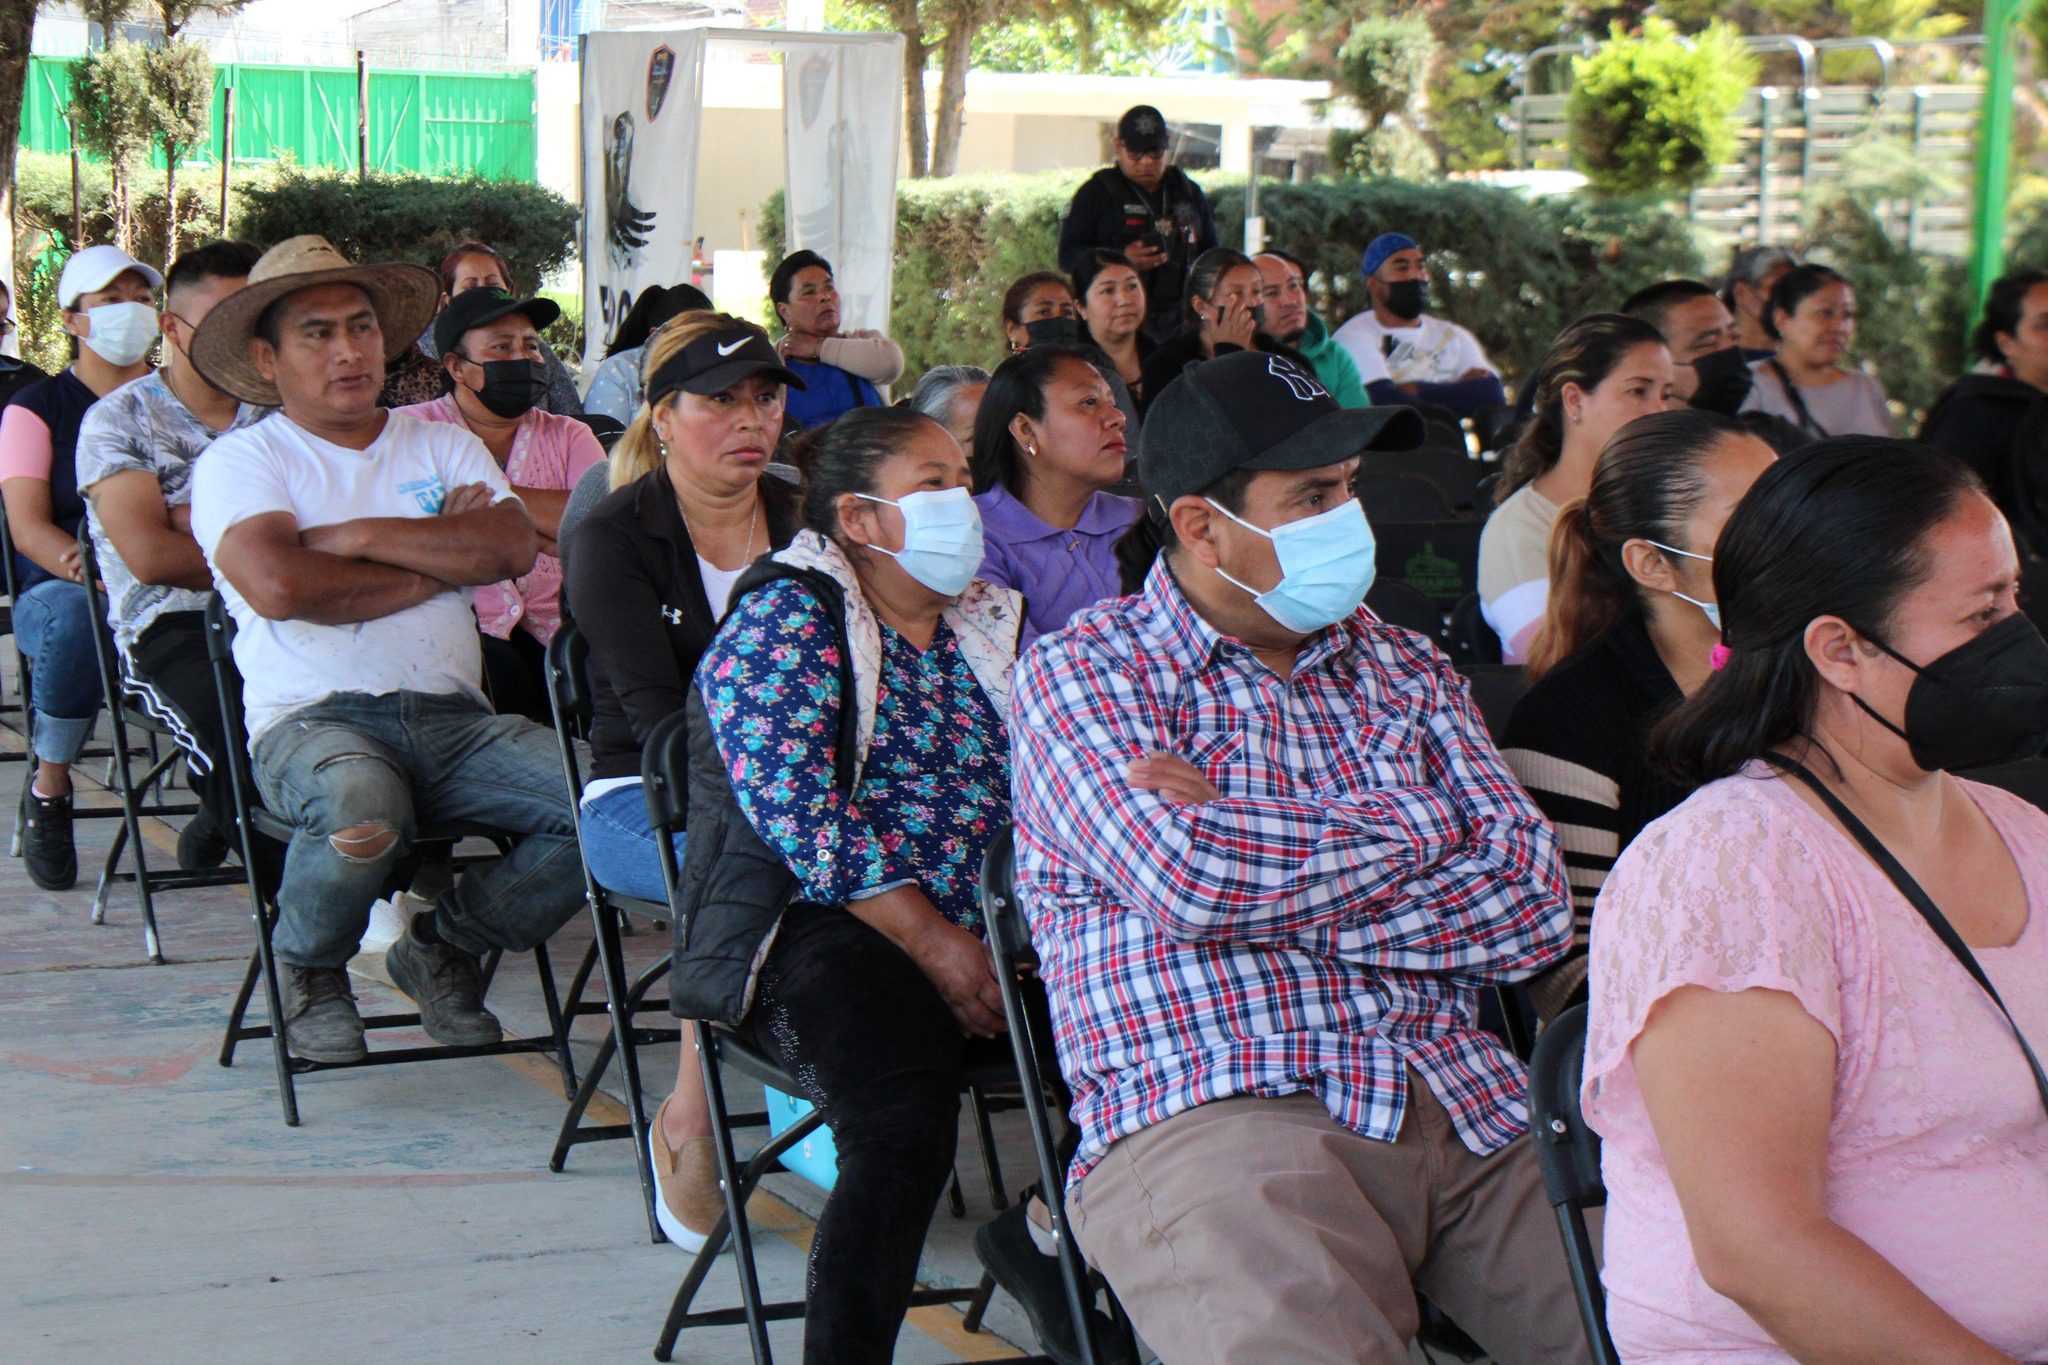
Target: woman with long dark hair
(1812, 316)
(1630, 629)
(1601, 373)
(1112, 298)
(1824, 1138)
(1049, 444)
(615, 389)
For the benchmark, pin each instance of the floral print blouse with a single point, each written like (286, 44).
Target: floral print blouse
(936, 786)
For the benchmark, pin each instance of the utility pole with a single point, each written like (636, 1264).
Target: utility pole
(1994, 148)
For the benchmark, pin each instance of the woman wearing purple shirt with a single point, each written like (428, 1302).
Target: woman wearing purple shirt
(1048, 445)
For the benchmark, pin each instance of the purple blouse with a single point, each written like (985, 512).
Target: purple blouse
(1058, 571)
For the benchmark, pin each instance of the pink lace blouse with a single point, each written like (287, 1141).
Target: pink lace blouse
(1938, 1149)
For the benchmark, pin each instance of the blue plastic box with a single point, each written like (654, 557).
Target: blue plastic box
(815, 1158)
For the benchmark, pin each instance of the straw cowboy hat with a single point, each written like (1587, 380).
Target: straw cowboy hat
(404, 297)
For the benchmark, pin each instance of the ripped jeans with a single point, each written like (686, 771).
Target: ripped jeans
(357, 775)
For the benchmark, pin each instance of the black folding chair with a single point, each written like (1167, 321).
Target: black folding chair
(1439, 557)
(1441, 459)
(1569, 1153)
(569, 693)
(1401, 497)
(252, 821)
(1397, 604)
(1495, 690)
(1472, 639)
(664, 774)
(1009, 943)
(133, 792)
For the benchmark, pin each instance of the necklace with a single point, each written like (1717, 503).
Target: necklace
(753, 520)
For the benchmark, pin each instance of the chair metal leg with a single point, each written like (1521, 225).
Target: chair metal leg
(273, 998)
(558, 1020)
(985, 1134)
(241, 1009)
(107, 871)
(977, 1308)
(736, 1193)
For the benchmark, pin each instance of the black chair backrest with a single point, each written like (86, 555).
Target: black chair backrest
(103, 645)
(1472, 640)
(1495, 690)
(1008, 938)
(1496, 427)
(1397, 604)
(1566, 1148)
(1402, 497)
(568, 674)
(220, 630)
(665, 773)
(1439, 557)
(1445, 465)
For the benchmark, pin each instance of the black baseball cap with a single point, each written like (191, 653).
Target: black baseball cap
(1142, 129)
(716, 361)
(1252, 410)
(476, 307)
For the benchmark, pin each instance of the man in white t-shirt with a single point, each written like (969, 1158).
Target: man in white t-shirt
(1405, 355)
(346, 541)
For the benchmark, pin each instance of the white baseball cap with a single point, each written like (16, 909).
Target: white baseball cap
(95, 268)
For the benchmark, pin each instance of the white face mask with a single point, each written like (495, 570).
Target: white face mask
(120, 333)
(1712, 609)
(941, 538)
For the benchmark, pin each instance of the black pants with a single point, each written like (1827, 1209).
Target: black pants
(171, 678)
(865, 1033)
(515, 675)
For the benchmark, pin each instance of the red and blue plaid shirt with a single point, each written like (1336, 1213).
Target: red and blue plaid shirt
(1324, 926)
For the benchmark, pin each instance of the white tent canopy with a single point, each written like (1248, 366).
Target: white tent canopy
(643, 95)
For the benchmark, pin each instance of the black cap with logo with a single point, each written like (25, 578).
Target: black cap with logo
(1251, 410)
(1142, 129)
(480, 307)
(716, 361)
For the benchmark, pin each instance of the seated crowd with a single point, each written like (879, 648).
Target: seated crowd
(1111, 595)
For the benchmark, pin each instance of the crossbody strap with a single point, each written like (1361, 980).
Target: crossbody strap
(1798, 401)
(1920, 901)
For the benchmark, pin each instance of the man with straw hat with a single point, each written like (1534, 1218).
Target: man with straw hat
(346, 541)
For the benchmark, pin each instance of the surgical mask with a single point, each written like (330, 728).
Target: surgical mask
(512, 388)
(1326, 567)
(120, 333)
(941, 538)
(1046, 331)
(1712, 609)
(1407, 298)
(1724, 379)
(1984, 702)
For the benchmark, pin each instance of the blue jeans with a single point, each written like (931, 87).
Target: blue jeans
(394, 763)
(618, 844)
(52, 626)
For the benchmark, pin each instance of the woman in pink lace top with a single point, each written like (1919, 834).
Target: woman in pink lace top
(1823, 1141)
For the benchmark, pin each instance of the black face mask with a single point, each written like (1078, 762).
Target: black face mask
(512, 388)
(1982, 703)
(1407, 298)
(1047, 331)
(1725, 380)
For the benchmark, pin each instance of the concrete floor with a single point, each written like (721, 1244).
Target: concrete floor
(154, 1206)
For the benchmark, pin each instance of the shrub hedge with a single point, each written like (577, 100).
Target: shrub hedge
(1513, 269)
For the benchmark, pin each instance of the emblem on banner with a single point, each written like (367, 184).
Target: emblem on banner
(661, 69)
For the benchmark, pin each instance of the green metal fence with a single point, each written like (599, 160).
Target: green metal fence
(421, 122)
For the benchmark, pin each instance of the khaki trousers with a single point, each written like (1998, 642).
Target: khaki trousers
(1254, 1229)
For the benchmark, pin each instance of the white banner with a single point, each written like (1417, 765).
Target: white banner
(643, 97)
(642, 94)
(842, 122)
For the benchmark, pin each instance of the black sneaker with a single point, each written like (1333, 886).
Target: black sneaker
(202, 844)
(446, 984)
(46, 840)
(320, 1018)
(1032, 1278)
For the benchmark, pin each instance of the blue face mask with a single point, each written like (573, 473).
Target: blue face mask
(1712, 609)
(941, 538)
(1326, 567)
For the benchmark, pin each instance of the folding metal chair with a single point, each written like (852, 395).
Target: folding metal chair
(569, 693)
(1009, 943)
(1569, 1153)
(133, 792)
(664, 772)
(252, 820)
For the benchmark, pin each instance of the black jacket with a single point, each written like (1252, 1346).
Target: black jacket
(1999, 427)
(732, 889)
(633, 589)
(1110, 212)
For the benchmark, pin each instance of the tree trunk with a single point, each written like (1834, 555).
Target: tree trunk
(955, 50)
(17, 21)
(915, 51)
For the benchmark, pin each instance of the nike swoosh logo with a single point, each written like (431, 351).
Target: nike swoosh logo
(728, 350)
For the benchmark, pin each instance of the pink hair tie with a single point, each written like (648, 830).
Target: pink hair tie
(1717, 658)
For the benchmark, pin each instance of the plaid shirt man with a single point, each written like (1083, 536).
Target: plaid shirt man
(1325, 926)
